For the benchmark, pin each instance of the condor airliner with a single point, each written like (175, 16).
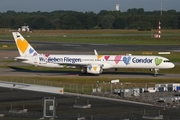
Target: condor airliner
(93, 64)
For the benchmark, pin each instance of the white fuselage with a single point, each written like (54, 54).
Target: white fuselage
(106, 61)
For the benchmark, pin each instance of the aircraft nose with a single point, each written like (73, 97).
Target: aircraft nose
(172, 65)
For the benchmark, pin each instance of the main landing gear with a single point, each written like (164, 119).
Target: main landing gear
(83, 71)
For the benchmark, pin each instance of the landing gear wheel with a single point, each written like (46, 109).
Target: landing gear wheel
(83, 72)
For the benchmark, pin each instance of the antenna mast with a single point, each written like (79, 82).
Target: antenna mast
(161, 9)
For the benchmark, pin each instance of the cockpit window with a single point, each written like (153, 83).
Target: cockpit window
(166, 61)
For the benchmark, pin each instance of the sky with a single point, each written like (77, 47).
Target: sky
(86, 5)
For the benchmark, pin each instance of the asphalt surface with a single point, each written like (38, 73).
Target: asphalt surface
(82, 47)
(13, 71)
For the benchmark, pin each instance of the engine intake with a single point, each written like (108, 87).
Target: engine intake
(94, 69)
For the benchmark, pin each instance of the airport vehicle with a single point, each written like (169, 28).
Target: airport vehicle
(89, 64)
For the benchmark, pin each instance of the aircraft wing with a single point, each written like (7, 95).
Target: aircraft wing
(70, 64)
(79, 64)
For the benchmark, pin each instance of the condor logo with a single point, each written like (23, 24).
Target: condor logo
(146, 60)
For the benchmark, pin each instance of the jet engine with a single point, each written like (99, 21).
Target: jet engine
(94, 69)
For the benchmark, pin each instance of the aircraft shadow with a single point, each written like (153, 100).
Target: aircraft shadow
(70, 72)
(42, 71)
(132, 73)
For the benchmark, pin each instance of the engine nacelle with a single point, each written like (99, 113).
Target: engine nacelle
(94, 69)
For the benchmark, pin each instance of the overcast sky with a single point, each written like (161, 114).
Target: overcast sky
(86, 5)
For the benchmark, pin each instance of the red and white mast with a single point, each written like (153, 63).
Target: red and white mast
(159, 29)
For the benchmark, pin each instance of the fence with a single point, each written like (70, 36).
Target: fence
(81, 88)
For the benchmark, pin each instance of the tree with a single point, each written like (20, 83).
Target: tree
(39, 23)
(71, 22)
(107, 22)
(103, 12)
(119, 23)
(132, 11)
(78, 20)
(171, 12)
(1, 22)
(173, 23)
(89, 23)
(140, 11)
(179, 22)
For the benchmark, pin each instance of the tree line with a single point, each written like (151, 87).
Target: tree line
(135, 18)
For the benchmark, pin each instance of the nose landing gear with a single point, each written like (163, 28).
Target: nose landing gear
(156, 72)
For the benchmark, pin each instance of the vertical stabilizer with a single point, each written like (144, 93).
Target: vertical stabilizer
(24, 48)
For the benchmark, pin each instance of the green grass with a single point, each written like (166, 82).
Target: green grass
(9, 46)
(142, 40)
(86, 80)
(169, 37)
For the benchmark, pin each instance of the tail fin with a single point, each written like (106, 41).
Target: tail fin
(24, 48)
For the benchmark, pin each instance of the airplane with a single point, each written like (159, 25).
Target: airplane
(89, 64)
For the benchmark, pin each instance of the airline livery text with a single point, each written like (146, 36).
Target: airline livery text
(146, 60)
(65, 60)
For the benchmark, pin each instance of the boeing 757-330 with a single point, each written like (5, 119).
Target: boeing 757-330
(92, 64)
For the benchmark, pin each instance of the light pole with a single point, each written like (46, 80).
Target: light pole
(104, 87)
(97, 85)
(111, 86)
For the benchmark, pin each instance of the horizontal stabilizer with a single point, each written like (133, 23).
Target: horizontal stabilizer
(20, 58)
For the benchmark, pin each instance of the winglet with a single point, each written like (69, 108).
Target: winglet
(24, 48)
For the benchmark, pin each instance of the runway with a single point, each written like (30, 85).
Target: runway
(14, 71)
(76, 48)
